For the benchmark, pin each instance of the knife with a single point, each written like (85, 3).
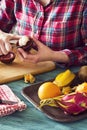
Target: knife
(13, 44)
(7, 102)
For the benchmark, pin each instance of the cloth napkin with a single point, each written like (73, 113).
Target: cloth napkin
(7, 94)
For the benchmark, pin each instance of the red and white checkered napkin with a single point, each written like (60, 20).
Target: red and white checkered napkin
(7, 94)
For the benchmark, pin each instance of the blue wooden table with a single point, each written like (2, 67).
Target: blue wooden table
(33, 119)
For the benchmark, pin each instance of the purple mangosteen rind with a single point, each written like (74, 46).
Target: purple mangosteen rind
(26, 47)
(7, 59)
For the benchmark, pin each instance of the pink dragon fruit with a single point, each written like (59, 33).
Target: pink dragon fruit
(73, 103)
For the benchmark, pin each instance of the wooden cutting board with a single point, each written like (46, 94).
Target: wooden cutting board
(17, 69)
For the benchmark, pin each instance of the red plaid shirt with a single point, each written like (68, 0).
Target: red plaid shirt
(61, 25)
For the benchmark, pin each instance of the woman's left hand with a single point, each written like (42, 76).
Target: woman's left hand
(44, 53)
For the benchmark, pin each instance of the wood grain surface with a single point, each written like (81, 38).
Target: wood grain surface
(16, 70)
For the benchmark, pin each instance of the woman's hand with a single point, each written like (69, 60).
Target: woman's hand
(5, 45)
(44, 53)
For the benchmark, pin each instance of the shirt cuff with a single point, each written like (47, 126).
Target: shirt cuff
(73, 59)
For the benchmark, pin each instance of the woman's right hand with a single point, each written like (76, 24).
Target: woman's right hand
(5, 39)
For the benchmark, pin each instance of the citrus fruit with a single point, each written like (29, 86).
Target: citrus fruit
(48, 90)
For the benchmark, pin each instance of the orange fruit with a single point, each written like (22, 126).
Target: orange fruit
(48, 90)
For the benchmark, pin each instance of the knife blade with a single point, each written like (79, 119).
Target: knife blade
(13, 44)
(7, 102)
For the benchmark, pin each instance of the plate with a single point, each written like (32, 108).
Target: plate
(30, 93)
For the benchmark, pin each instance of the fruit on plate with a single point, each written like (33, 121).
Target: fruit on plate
(48, 90)
(82, 88)
(64, 78)
(82, 74)
(73, 103)
(66, 90)
(70, 102)
(25, 43)
(9, 58)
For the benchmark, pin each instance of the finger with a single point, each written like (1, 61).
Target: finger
(22, 53)
(27, 57)
(15, 36)
(8, 46)
(36, 41)
(0, 52)
(3, 48)
(13, 39)
(20, 56)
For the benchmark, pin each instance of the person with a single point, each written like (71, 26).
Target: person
(57, 28)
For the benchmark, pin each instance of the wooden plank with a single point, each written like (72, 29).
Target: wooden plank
(17, 69)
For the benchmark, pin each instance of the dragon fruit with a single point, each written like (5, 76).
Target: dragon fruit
(73, 103)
